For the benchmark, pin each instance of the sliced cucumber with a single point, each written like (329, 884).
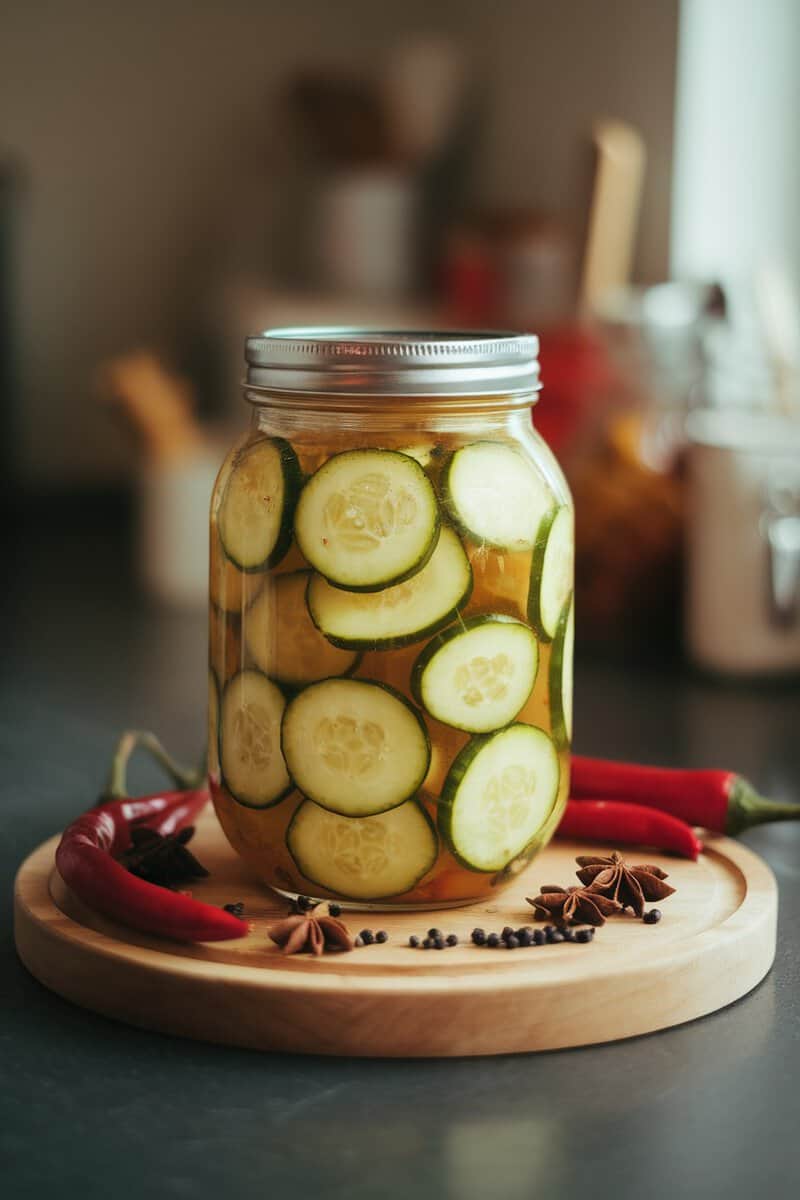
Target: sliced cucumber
(367, 519)
(421, 452)
(495, 495)
(366, 858)
(284, 642)
(498, 794)
(225, 652)
(477, 674)
(257, 506)
(354, 746)
(250, 740)
(212, 751)
(551, 571)
(561, 660)
(231, 589)
(399, 615)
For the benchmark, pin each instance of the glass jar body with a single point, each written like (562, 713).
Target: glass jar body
(402, 742)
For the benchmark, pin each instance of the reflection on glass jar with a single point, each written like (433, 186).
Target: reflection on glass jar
(391, 618)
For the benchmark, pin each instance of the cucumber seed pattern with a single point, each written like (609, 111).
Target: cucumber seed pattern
(352, 747)
(484, 679)
(360, 850)
(255, 734)
(397, 596)
(368, 512)
(508, 799)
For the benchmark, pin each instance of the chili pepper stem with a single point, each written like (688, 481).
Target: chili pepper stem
(747, 808)
(116, 789)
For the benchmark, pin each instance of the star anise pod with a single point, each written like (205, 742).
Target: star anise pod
(305, 931)
(165, 860)
(630, 886)
(573, 904)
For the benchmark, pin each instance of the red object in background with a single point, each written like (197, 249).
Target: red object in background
(579, 382)
(579, 378)
(470, 283)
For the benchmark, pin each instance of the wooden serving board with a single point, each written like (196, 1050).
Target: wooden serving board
(715, 942)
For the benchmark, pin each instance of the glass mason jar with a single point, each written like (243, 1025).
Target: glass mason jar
(391, 618)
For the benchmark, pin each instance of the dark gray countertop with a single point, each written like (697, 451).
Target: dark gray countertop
(89, 1108)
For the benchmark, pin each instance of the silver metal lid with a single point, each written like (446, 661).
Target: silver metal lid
(370, 362)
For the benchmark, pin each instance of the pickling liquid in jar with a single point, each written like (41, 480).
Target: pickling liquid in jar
(391, 619)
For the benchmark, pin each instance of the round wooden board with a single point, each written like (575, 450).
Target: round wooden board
(715, 942)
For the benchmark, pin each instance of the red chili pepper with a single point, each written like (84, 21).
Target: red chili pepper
(86, 857)
(628, 824)
(718, 800)
(163, 812)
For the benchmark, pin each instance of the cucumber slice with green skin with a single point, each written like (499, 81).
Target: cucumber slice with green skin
(495, 495)
(354, 746)
(250, 740)
(367, 519)
(257, 507)
(561, 661)
(399, 615)
(284, 642)
(552, 571)
(498, 794)
(231, 590)
(478, 674)
(363, 858)
(423, 452)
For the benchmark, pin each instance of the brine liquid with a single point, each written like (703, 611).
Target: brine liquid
(500, 585)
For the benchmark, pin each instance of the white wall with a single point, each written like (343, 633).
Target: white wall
(142, 126)
(737, 164)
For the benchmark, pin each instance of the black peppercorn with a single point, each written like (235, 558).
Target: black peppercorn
(507, 932)
(359, 941)
(652, 917)
(452, 939)
(479, 937)
(367, 937)
(236, 910)
(304, 904)
(335, 910)
(555, 937)
(539, 937)
(583, 935)
(413, 941)
(438, 943)
(493, 940)
(434, 933)
(525, 937)
(381, 936)
(511, 942)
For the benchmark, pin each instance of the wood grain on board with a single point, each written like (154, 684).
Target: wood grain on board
(715, 942)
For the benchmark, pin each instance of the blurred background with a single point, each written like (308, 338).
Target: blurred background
(620, 176)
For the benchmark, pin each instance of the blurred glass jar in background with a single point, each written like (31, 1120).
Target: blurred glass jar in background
(626, 472)
(743, 541)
